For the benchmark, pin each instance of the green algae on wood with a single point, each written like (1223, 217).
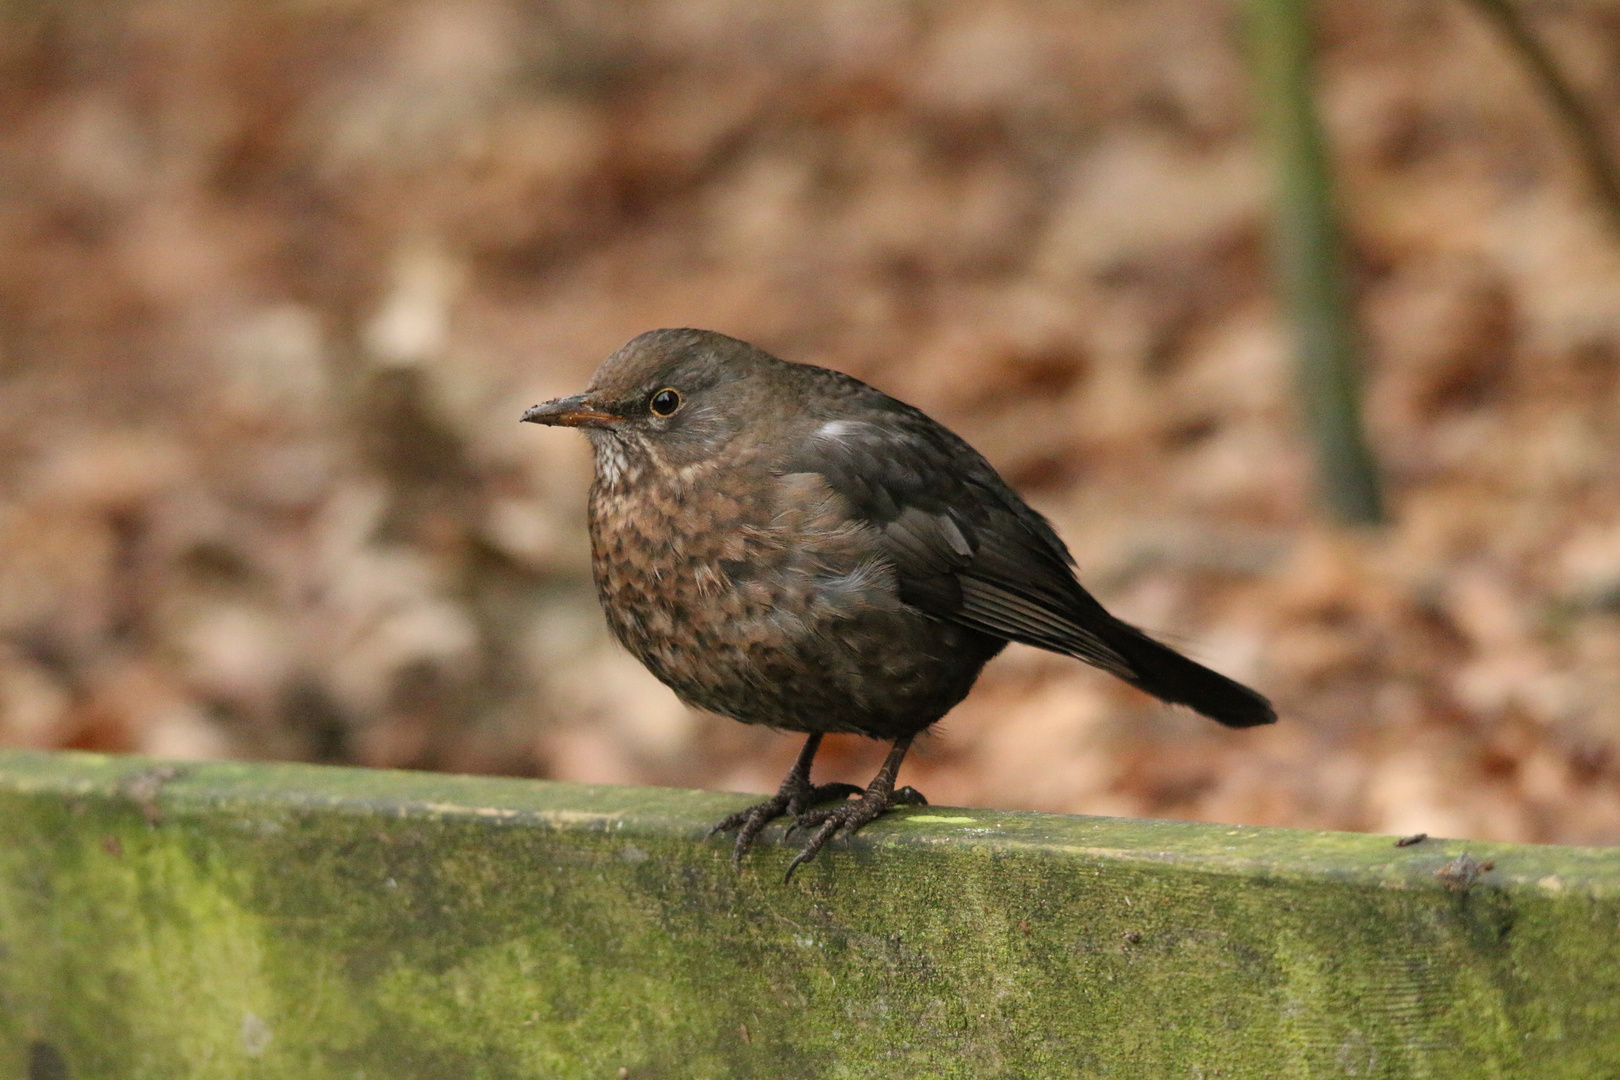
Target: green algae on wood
(248, 920)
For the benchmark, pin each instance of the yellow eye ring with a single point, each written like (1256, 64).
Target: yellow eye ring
(665, 403)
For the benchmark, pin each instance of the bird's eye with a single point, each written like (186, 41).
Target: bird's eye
(665, 402)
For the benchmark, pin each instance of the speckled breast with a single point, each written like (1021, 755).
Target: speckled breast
(757, 597)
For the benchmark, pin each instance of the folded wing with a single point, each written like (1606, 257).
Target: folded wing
(967, 549)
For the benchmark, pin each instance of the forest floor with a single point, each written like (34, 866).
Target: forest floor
(279, 280)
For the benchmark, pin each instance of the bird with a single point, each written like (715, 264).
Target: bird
(785, 545)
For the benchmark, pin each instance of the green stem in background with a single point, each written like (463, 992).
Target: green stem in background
(1600, 164)
(1309, 264)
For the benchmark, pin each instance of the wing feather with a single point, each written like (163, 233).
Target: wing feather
(965, 547)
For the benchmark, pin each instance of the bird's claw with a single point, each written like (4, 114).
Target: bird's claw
(749, 823)
(794, 799)
(907, 796)
(769, 809)
(814, 797)
(849, 817)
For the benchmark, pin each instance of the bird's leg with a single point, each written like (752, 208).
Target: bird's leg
(796, 796)
(878, 799)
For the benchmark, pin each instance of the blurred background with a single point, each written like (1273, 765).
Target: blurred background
(278, 279)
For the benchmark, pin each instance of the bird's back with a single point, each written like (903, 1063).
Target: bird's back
(967, 549)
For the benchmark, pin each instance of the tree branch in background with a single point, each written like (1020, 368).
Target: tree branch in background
(1600, 164)
(1308, 261)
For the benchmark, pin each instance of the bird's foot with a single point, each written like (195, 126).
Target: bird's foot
(874, 802)
(796, 797)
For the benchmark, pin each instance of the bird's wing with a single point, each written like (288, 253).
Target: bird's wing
(964, 546)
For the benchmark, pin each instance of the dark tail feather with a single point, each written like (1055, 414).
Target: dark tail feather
(1169, 676)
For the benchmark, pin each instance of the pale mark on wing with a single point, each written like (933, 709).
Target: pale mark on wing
(869, 585)
(839, 430)
(954, 537)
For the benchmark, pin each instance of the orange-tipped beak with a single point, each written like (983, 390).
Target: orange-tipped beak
(573, 411)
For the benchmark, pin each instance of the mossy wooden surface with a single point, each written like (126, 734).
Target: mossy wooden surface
(248, 920)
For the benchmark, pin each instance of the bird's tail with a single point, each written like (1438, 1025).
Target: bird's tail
(1169, 676)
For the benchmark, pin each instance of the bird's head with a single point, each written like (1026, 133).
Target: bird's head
(667, 398)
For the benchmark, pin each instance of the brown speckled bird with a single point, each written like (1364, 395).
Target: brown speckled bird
(784, 545)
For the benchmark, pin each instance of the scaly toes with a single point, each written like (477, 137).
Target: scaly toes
(749, 823)
(801, 810)
(821, 836)
(772, 808)
(849, 817)
(745, 837)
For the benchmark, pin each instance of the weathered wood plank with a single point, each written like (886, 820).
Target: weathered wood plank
(250, 920)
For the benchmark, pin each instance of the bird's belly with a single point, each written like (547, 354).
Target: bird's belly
(768, 639)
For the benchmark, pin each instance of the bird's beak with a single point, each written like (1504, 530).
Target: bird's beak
(576, 411)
